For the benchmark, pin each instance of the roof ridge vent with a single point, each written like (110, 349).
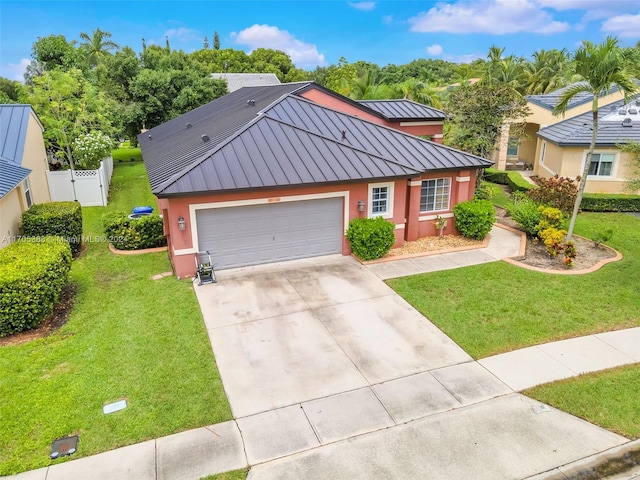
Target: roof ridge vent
(627, 122)
(632, 111)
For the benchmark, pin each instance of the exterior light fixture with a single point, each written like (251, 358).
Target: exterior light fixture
(360, 205)
(182, 225)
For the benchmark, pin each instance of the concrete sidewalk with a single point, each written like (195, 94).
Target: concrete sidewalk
(459, 421)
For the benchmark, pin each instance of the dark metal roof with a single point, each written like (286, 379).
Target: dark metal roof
(577, 131)
(551, 99)
(404, 110)
(271, 153)
(293, 141)
(387, 142)
(168, 148)
(11, 174)
(236, 81)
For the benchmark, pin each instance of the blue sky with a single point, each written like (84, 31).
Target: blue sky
(320, 32)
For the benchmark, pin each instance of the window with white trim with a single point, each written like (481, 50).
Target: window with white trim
(381, 200)
(602, 164)
(27, 192)
(544, 150)
(434, 195)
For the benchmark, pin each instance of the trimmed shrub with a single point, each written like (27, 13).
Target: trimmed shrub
(551, 218)
(475, 218)
(526, 214)
(553, 238)
(513, 179)
(483, 192)
(371, 238)
(32, 275)
(127, 234)
(602, 202)
(558, 192)
(62, 219)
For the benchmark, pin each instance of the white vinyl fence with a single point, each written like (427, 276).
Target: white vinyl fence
(89, 187)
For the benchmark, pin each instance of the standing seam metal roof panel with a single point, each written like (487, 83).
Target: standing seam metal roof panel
(11, 174)
(404, 109)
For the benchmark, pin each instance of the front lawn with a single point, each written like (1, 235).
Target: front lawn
(497, 307)
(128, 337)
(126, 154)
(610, 398)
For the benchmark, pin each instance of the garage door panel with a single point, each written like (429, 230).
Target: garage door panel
(250, 235)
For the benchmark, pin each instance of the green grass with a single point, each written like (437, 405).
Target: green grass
(499, 197)
(610, 398)
(127, 154)
(497, 307)
(233, 475)
(129, 337)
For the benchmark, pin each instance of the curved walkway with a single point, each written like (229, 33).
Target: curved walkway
(457, 420)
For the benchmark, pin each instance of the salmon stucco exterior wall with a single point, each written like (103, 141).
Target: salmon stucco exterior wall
(409, 222)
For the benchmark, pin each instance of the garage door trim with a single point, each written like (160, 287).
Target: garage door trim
(194, 207)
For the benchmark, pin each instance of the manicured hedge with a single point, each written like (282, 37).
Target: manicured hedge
(127, 234)
(32, 275)
(513, 179)
(600, 202)
(475, 218)
(371, 238)
(63, 219)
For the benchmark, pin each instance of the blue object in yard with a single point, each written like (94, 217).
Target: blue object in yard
(148, 210)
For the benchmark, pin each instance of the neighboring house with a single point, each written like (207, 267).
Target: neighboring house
(23, 167)
(562, 148)
(520, 153)
(266, 174)
(236, 81)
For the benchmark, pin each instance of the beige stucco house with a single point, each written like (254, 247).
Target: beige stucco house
(562, 148)
(23, 167)
(520, 153)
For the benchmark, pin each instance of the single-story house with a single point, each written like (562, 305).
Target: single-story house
(23, 167)
(235, 81)
(272, 173)
(562, 148)
(520, 152)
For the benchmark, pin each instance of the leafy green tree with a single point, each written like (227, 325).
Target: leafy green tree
(601, 67)
(341, 77)
(97, 46)
(478, 112)
(507, 70)
(34, 69)
(55, 51)
(547, 72)
(419, 91)
(216, 41)
(68, 106)
(9, 90)
(267, 60)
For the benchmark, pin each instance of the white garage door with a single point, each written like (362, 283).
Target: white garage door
(250, 235)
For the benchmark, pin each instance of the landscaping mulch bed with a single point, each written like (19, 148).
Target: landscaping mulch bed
(51, 323)
(433, 244)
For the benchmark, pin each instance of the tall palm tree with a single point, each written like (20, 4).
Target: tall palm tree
(508, 70)
(547, 71)
(97, 46)
(601, 68)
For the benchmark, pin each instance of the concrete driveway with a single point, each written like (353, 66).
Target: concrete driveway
(289, 333)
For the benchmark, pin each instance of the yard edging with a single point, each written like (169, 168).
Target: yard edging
(136, 252)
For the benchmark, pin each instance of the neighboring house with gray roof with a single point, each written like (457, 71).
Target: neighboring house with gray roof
(23, 167)
(563, 147)
(236, 81)
(272, 173)
(516, 152)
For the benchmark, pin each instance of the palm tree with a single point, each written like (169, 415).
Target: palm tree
(547, 72)
(601, 68)
(97, 46)
(508, 70)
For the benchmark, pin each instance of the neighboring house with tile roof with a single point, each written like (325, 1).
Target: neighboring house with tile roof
(236, 81)
(515, 152)
(273, 173)
(562, 148)
(23, 167)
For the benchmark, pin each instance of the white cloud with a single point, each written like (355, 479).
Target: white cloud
(627, 26)
(183, 35)
(465, 58)
(434, 50)
(362, 5)
(387, 19)
(266, 36)
(15, 71)
(487, 16)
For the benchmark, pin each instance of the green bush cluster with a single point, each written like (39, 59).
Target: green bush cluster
(127, 234)
(62, 219)
(371, 238)
(483, 192)
(558, 192)
(513, 179)
(599, 202)
(33, 272)
(475, 218)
